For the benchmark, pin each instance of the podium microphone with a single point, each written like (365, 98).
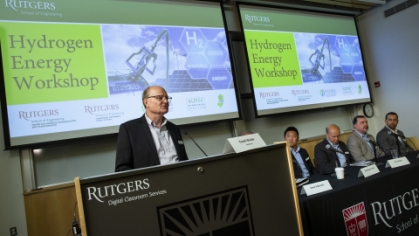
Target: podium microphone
(336, 155)
(186, 133)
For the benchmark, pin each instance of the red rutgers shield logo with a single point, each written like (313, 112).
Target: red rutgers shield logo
(356, 220)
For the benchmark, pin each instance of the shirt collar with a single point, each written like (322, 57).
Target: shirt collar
(297, 150)
(150, 122)
(362, 135)
(333, 145)
(394, 131)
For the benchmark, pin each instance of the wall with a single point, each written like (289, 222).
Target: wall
(12, 210)
(391, 50)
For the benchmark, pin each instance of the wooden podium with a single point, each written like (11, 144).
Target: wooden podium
(250, 193)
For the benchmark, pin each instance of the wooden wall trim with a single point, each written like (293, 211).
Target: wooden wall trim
(50, 211)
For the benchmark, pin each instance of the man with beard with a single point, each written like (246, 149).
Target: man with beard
(390, 138)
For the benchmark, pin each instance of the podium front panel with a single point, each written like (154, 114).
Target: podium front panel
(250, 193)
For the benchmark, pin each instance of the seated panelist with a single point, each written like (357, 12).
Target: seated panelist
(331, 153)
(362, 145)
(390, 138)
(151, 139)
(246, 132)
(300, 159)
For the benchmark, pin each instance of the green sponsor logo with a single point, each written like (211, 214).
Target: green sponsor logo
(359, 89)
(327, 92)
(220, 100)
(52, 62)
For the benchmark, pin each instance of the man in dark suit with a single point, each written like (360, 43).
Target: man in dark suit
(300, 159)
(331, 153)
(152, 139)
(390, 138)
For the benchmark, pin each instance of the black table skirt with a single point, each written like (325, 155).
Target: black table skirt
(383, 204)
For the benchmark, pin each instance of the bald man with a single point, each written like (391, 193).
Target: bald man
(152, 139)
(331, 153)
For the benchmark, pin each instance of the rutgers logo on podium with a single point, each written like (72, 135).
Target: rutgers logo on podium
(356, 220)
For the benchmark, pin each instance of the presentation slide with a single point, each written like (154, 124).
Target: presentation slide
(302, 60)
(78, 68)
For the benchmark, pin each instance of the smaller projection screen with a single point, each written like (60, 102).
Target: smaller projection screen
(77, 68)
(302, 60)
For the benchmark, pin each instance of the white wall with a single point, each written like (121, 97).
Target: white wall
(391, 50)
(12, 208)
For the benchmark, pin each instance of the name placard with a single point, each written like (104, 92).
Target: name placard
(315, 188)
(401, 161)
(243, 143)
(368, 171)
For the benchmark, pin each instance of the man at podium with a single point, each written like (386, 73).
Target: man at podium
(151, 139)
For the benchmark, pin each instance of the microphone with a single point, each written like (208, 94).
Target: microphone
(397, 140)
(392, 133)
(75, 228)
(186, 133)
(395, 134)
(372, 142)
(333, 149)
(336, 155)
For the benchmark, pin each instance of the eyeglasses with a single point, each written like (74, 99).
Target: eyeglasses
(160, 97)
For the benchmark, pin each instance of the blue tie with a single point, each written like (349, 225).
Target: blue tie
(365, 137)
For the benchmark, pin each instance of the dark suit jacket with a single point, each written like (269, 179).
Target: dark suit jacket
(136, 149)
(326, 158)
(387, 142)
(298, 173)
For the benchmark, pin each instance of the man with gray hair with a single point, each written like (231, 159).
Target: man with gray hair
(152, 139)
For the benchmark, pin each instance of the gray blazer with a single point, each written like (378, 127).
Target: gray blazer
(387, 142)
(360, 149)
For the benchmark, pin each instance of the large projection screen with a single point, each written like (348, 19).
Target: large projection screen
(302, 60)
(78, 68)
